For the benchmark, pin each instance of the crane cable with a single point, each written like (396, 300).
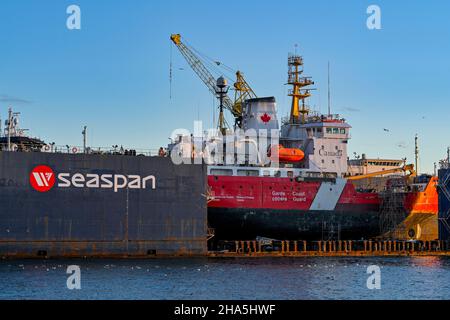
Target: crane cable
(170, 73)
(217, 66)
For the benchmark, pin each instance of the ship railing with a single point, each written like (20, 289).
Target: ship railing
(101, 150)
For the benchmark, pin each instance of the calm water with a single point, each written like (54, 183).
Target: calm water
(280, 278)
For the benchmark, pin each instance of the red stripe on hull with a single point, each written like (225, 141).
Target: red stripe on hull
(278, 193)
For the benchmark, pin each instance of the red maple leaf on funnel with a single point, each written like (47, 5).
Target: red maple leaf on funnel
(265, 118)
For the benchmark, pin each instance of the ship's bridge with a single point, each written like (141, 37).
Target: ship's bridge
(323, 139)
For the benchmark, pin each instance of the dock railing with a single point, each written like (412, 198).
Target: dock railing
(330, 248)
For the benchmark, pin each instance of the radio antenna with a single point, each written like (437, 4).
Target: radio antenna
(329, 96)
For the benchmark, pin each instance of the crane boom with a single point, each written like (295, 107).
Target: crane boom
(409, 167)
(242, 89)
(200, 69)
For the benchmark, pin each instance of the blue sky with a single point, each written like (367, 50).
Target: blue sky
(113, 74)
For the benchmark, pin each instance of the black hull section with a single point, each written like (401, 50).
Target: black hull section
(247, 224)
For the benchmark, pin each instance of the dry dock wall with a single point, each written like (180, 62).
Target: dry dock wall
(89, 212)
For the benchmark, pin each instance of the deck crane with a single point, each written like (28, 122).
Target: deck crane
(405, 168)
(242, 89)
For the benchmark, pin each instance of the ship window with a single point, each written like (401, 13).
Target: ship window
(277, 174)
(329, 130)
(247, 173)
(323, 161)
(319, 129)
(332, 161)
(335, 130)
(290, 174)
(266, 173)
(342, 131)
(222, 172)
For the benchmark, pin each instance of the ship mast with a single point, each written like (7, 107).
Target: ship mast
(299, 111)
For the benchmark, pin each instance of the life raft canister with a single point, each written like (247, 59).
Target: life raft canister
(286, 154)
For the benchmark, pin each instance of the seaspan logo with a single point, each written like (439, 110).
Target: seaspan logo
(42, 179)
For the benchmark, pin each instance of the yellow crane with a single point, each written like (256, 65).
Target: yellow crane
(243, 91)
(405, 168)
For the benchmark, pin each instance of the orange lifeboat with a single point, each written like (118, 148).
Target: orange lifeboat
(287, 154)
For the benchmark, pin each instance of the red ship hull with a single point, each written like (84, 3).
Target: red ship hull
(284, 208)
